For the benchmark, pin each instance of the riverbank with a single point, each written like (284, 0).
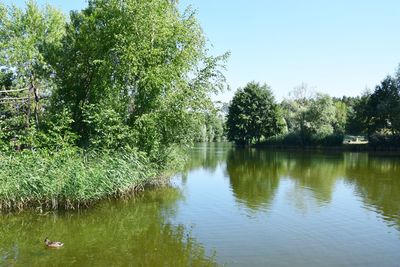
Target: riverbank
(74, 178)
(335, 142)
(339, 148)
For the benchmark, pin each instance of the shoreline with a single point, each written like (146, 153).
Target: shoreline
(344, 148)
(72, 180)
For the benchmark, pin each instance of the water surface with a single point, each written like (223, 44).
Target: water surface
(234, 207)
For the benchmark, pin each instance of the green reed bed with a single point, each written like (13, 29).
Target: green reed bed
(70, 179)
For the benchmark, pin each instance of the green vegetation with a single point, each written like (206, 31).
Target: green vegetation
(212, 128)
(92, 106)
(69, 179)
(318, 119)
(253, 115)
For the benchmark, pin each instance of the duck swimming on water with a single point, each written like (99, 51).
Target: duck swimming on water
(53, 244)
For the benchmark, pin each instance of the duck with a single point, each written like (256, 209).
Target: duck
(53, 244)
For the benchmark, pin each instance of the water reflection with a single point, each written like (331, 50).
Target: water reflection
(255, 176)
(377, 181)
(207, 156)
(343, 200)
(132, 233)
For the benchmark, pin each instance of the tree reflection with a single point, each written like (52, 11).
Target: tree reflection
(377, 180)
(207, 156)
(254, 176)
(315, 172)
(134, 233)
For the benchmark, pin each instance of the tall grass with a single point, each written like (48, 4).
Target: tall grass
(71, 178)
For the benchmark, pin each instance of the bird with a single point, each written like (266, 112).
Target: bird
(53, 244)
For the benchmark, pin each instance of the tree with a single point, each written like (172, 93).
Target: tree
(384, 104)
(253, 115)
(295, 109)
(28, 38)
(359, 119)
(310, 117)
(341, 111)
(144, 64)
(320, 117)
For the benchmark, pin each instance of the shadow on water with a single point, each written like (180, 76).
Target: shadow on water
(136, 232)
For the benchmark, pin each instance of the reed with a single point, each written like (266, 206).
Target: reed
(72, 178)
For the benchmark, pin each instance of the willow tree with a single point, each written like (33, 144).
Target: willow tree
(135, 72)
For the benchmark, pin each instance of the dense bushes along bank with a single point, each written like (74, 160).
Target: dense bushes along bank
(73, 178)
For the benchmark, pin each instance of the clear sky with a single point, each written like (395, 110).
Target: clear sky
(338, 47)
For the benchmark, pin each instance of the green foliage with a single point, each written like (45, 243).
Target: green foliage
(312, 117)
(384, 104)
(320, 116)
(106, 127)
(132, 75)
(377, 113)
(27, 37)
(341, 113)
(55, 133)
(212, 128)
(253, 115)
(322, 120)
(70, 178)
(139, 80)
(6, 78)
(359, 119)
(149, 70)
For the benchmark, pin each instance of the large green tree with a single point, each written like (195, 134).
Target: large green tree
(253, 115)
(137, 72)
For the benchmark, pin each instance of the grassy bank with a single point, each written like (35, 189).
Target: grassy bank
(73, 178)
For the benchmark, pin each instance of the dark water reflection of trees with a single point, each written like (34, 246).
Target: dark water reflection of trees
(377, 180)
(255, 176)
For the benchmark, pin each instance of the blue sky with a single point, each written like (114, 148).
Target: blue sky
(337, 47)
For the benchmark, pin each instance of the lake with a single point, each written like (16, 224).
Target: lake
(232, 207)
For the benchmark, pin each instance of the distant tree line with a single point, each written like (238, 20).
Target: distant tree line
(305, 118)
